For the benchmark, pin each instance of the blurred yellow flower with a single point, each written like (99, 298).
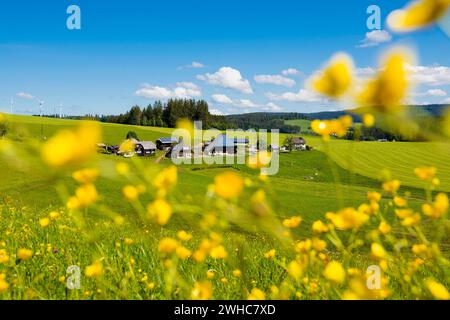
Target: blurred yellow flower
(438, 290)
(411, 220)
(167, 245)
(127, 146)
(438, 208)
(425, 173)
(417, 14)
(94, 270)
(294, 269)
(335, 272)
(256, 294)
(183, 253)
(292, 222)
(122, 168)
(387, 91)
(260, 160)
(128, 241)
(237, 273)
(338, 127)
(160, 210)
(24, 254)
(166, 179)
(391, 186)
(184, 236)
(347, 218)
(419, 249)
(378, 251)
(270, 254)
(3, 285)
(368, 120)
(373, 196)
(400, 202)
(384, 227)
(319, 227)
(53, 215)
(85, 195)
(72, 147)
(218, 252)
(131, 193)
(318, 244)
(4, 257)
(336, 78)
(85, 176)
(44, 222)
(202, 291)
(228, 185)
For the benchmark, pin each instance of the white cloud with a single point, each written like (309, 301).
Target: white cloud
(290, 72)
(25, 95)
(228, 78)
(431, 75)
(446, 100)
(273, 107)
(192, 65)
(302, 96)
(431, 93)
(221, 98)
(275, 79)
(374, 38)
(183, 90)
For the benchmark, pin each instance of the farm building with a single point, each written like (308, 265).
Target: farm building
(222, 144)
(145, 148)
(299, 143)
(165, 143)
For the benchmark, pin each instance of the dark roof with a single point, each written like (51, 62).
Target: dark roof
(147, 145)
(167, 140)
(299, 140)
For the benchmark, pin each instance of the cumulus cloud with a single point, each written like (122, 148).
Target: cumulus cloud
(216, 112)
(192, 65)
(277, 79)
(290, 72)
(432, 93)
(183, 90)
(374, 38)
(228, 78)
(302, 95)
(25, 95)
(221, 98)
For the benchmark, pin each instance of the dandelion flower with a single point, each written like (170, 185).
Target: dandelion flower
(270, 254)
(24, 254)
(167, 245)
(438, 290)
(160, 210)
(319, 227)
(202, 291)
(237, 273)
(425, 173)
(378, 251)
(256, 294)
(336, 79)
(131, 193)
(295, 270)
(292, 223)
(417, 14)
(85, 176)
(184, 236)
(44, 222)
(228, 185)
(94, 270)
(368, 120)
(218, 252)
(335, 272)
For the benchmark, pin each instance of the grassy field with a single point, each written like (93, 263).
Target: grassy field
(303, 123)
(309, 184)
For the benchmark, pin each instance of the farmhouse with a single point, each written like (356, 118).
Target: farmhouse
(299, 143)
(145, 148)
(166, 143)
(221, 145)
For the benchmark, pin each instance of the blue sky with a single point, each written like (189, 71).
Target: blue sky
(231, 53)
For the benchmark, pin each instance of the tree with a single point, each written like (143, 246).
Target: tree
(289, 143)
(132, 135)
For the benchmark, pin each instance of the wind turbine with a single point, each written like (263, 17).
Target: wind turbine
(41, 103)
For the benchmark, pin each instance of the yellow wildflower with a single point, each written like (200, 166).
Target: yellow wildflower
(318, 244)
(260, 160)
(425, 173)
(368, 120)
(4, 257)
(161, 210)
(85, 195)
(183, 253)
(294, 269)
(270, 254)
(438, 290)
(128, 241)
(85, 176)
(411, 220)
(218, 252)
(228, 185)
(419, 249)
(131, 193)
(44, 222)
(166, 179)
(122, 168)
(384, 227)
(202, 291)
(94, 270)
(127, 146)
(347, 218)
(319, 227)
(256, 294)
(335, 272)
(388, 89)
(391, 186)
(417, 14)
(400, 202)
(438, 208)
(292, 222)
(24, 254)
(3, 285)
(184, 236)
(378, 251)
(167, 245)
(72, 147)
(54, 215)
(237, 273)
(374, 196)
(210, 274)
(336, 79)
